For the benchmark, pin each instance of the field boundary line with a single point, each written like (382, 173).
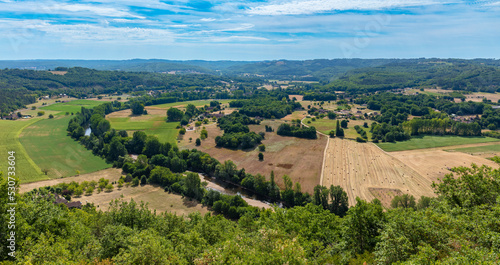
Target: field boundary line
(324, 152)
(23, 151)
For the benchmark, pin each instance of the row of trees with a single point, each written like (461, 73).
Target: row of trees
(286, 129)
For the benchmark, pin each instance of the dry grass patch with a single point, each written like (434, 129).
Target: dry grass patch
(358, 167)
(385, 195)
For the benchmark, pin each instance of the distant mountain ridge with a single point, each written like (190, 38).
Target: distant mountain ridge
(322, 70)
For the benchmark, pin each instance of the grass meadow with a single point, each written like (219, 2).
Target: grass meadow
(26, 169)
(50, 148)
(150, 124)
(432, 141)
(72, 106)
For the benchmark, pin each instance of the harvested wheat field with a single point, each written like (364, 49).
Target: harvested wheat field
(301, 159)
(434, 164)
(365, 171)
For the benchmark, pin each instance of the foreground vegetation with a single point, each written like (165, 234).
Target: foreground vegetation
(460, 226)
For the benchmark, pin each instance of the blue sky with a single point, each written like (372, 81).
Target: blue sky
(249, 30)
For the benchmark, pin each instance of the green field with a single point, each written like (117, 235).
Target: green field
(326, 125)
(50, 148)
(493, 148)
(197, 103)
(72, 106)
(26, 169)
(156, 125)
(429, 141)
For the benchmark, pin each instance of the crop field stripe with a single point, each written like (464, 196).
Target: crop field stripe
(26, 168)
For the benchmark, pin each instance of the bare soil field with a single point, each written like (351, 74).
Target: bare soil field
(362, 168)
(59, 72)
(434, 164)
(301, 159)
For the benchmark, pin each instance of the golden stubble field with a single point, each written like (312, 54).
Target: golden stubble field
(363, 170)
(434, 164)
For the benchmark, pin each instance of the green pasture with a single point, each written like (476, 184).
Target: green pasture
(26, 169)
(156, 125)
(197, 103)
(50, 148)
(432, 141)
(493, 148)
(326, 125)
(72, 106)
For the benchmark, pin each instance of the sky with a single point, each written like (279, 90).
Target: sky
(249, 30)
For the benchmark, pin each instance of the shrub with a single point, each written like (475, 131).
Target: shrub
(198, 142)
(261, 156)
(360, 140)
(262, 148)
(135, 182)
(51, 116)
(41, 113)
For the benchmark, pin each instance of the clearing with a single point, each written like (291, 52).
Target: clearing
(26, 169)
(152, 124)
(325, 125)
(365, 171)
(433, 141)
(71, 106)
(301, 159)
(50, 148)
(183, 104)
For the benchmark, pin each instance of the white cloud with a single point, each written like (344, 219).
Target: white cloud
(318, 6)
(51, 7)
(208, 19)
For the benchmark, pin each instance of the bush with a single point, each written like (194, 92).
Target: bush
(135, 182)
(144, 180)
(360, 140)
(262, 148)
(41, 113)
(198, 142)
(344, 124)
(261, 156)
(182, 131)
(51, 116)
(332, 134)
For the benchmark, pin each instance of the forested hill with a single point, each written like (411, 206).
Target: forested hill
(21, 87)
(322, 70)
(135, 65)
(447, 74)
